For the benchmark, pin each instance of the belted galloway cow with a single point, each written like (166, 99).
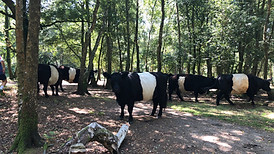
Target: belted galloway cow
(187, 82)
(131, 87)
(48, 75)
(72, 75)
(240, 84)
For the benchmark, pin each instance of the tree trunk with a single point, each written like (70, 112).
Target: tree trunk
(179, 59)
(82, 83)
(193, 40)
(199, 59)
(7, 24)
(127, 36)
(27, 135)
(99, 59)
(159, 59)
(120, 51)
(265, 42)
(109, 44)
(189, 39)
(136, 37)
(241, 57)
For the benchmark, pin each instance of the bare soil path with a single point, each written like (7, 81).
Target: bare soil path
(175, 132)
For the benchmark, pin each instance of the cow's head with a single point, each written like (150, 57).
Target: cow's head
(266, 85)
(117, 80)
(64, 71)
(91, 74)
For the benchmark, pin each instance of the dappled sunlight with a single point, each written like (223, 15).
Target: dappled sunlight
(213, 139)
(237, 132)
(269, 115)
(81, 111)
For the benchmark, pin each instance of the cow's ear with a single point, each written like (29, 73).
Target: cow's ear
(124, 74)
(105, 74)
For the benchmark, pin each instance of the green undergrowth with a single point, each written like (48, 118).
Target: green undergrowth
(260, 116)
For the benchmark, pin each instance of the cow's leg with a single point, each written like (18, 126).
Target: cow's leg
(130, 109)
(45, 89)
(169, 95)
(196, 96)
(61, 87)
(56, 90)
(219, 97)
(251, 97)
(179, 94)
(52, 89)
(160, 112)
(155, 104)
(228, 99)
(38, 88)
(122, 112)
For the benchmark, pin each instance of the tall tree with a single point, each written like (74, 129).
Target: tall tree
(82, 84)
(179, 59)
(159, 59)
(127, 36)
(265, 40)
(136, 36)
(27, 63)
(8, 44)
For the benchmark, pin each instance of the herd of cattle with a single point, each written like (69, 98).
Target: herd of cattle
(130, 87)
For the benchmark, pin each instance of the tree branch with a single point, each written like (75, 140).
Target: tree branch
(11, 5)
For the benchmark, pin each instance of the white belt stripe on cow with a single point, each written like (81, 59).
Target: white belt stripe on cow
(148, 83)
(72, 73)
(240, 84)
(54, 75)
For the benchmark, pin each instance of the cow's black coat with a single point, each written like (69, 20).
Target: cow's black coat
(225, 83)
(196, 83)
(128, 89)
(65, 75)
(44, 74)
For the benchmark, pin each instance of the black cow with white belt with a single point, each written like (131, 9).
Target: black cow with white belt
(188, 82)
(240, 84)
(131, 87)
(49, 75)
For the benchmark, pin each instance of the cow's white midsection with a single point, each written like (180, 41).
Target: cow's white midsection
(181, 83)
(72, 73)
(54, 75)
(148, 83)
(240, 84)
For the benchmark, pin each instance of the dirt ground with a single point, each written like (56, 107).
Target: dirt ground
(175, 132)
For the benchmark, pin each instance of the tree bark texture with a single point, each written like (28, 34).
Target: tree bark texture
(27, 135)
(136, 37)
(159, 57)
(265, 42)
(127, 36)
(179, 59)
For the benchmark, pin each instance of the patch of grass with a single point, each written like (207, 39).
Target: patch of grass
(261, 117)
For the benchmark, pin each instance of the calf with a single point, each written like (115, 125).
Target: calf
(48, 75)
(188, 82)
(72, 75)
(240, 84)
(131, 87)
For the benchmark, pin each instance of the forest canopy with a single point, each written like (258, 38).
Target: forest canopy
(206, 37)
